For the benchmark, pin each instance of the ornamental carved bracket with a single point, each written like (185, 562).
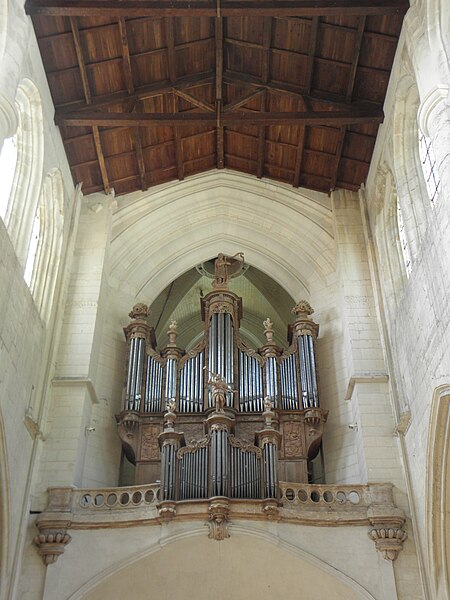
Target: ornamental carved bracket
(218, 511)
(52, 540)
(389, 537)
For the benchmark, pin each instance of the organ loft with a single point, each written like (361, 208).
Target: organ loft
(222, 419)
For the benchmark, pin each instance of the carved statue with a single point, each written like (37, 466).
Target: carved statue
(268, 324)
(219, 389)
(268, 405)
(170, 405)
(222, 262)
(173, 325)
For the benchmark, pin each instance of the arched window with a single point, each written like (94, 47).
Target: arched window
(429, 168)
(45, 245)
(404, 245)
(8, 162)
(24, 195)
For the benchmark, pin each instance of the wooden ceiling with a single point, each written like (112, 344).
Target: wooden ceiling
(148, 91)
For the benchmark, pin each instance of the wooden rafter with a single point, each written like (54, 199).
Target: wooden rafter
(128, 74)
(140, 93)
(218, 26)
(337, 118)
(241, 100)
(88, 98)
(201, 8)
(193, 100)
(178, 142)
(309, 74)
(172, 69)
(349, 94)
(265, 68)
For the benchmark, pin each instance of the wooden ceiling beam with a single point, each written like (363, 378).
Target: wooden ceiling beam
(88, 98)
(193, 100)
(178, 142)
(209, 8)
(349, 94)
(265, 69)
(220, 155)
(337, 118)
(128, 75)
(140, 93)
(242, 99)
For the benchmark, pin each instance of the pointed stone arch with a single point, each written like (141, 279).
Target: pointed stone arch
(438, 493)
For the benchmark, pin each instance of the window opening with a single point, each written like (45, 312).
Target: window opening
(429, 167)
(8, 161)
(32, 249)
(406, 254)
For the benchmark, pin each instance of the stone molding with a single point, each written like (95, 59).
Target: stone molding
(367, 377)
(78, 382)
(8, 118)
(370, 505)
(428, 106)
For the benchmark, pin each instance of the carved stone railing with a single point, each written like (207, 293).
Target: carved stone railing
(316, 505)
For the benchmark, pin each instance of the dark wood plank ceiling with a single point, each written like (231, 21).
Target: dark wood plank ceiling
(287, 89)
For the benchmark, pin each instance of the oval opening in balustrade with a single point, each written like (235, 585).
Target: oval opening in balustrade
(290, 495)
(341, 497)
(328, 496)
(354, 497)
(302, 495)
(86, 500)
(111, 499)
(124, 498)
(137, 497)
(149, 496)
(315, 496)
(99, 499)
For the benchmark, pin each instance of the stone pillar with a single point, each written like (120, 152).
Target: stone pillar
(367, 389)
(74, 385)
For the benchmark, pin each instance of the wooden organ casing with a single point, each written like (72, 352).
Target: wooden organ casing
(268, 429)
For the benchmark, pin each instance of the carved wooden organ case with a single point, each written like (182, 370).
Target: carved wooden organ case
(267, 427)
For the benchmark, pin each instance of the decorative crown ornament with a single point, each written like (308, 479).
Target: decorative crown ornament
(302, 309)
(140, 311)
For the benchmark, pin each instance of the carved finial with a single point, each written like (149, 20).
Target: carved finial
(268, 330)
(172, 333)
(140, 311)
(221, 271)
(302, 309)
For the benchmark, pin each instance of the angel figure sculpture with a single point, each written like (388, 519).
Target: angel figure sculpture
(219, 390)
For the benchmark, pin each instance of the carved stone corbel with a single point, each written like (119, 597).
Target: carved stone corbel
(271, 509)
(51, 543)
(167, 510)
(218, 511)
(387, 530)
(128, 423)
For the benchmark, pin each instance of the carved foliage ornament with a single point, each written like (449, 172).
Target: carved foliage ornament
(218, 520)
(388, 538)
(140, 311)
(51, 544)
(302, 309)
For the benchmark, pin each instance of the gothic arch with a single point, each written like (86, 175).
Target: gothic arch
(407, 168)
(315, 577)
(438, 493)
(46, 263)
(28, 175)
(284, 233)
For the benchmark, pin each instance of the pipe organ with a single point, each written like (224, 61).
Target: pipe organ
(245, 418)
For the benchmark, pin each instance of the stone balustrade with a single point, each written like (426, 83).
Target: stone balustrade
(316, 505)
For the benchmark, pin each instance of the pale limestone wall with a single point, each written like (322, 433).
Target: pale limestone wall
(416, 314)
(21, 336)
(274, 560)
